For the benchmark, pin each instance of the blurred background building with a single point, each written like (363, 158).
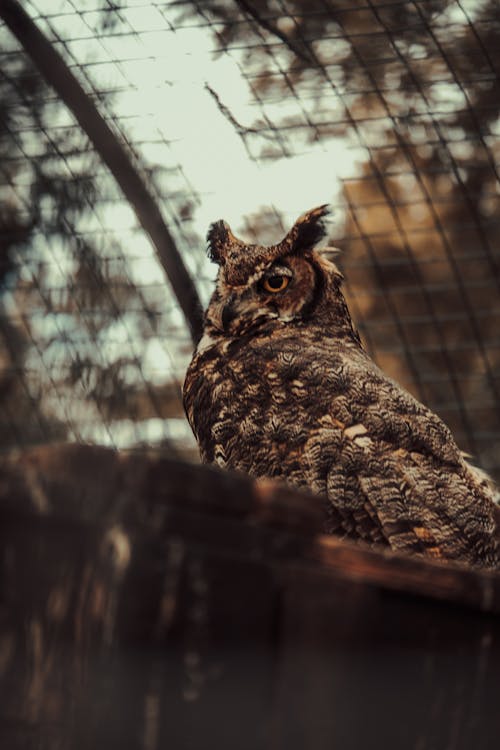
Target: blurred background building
(252, 111)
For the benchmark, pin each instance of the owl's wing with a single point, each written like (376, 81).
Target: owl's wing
(433, 511)
(411, 504)
(399, 477)
(392, 415)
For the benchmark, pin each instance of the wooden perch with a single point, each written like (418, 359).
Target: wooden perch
(148, 603)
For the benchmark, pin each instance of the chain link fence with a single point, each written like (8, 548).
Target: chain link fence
(153, 119)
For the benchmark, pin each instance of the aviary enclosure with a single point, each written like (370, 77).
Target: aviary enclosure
(145, 601)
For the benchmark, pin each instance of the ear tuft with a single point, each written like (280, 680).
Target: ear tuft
(218, 238)
(309, 229)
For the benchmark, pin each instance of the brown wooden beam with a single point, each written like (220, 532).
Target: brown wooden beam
(148, 603)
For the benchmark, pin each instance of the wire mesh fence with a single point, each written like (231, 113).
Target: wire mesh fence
(252, 112)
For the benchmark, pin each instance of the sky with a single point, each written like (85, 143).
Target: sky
(164, 76)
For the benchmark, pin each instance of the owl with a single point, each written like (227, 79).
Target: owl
(280, 386)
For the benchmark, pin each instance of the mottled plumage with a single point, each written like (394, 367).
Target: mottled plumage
(280, 386)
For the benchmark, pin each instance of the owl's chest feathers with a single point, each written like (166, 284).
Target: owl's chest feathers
(294, 397)
(263, 398)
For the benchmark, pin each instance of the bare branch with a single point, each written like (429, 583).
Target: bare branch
(242, 130)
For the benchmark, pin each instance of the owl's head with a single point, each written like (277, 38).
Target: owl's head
(287, 281)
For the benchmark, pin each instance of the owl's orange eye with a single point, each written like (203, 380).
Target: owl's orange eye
(275, 283)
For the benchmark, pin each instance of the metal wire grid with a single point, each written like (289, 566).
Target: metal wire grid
(426, 307)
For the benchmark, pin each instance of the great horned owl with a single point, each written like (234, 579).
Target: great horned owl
(280, 386)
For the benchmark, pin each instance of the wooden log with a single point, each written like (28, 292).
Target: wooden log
(147, 603)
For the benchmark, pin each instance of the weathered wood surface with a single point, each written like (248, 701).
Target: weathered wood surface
(147, 603)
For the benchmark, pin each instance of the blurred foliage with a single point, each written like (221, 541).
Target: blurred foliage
(330, 40)
(58, 310)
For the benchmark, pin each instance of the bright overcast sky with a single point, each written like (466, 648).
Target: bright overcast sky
(164, 74)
